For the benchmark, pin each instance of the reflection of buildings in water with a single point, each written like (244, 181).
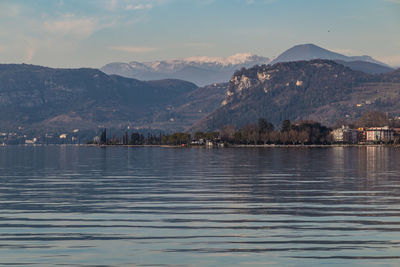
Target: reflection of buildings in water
(338, 158)
(350, 167)
(341, 161)
(359, 168)
(266, 177)
(260, 179)
(373, 163)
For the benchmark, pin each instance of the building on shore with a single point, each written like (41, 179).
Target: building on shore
(345, 135)
(379, 134)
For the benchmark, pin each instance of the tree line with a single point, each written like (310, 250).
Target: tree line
(134, 138)
(261, 133)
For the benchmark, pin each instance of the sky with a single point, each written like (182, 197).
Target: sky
(92, 33)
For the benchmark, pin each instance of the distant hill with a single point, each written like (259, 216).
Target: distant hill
(189, 108)
(367, 67)
(310, 52)
(44, 99)
(199, 70)
(208, 70)
(320, 90)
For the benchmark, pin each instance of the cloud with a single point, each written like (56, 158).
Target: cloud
(2, 48)
(139, 7)
(129, 5)
(79, 27)
(251, 2)
(144, 4)
(134, 49)
(30, 53)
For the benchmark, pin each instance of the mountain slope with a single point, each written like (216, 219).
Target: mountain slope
(199, 70)
(189, 108)
(321, 90)
(44, 99)
(367, 67)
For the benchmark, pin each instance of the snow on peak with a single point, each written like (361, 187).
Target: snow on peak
(172, 65)
(240, 58)
(225, 61)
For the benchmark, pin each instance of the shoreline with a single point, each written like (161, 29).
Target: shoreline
(214, 147)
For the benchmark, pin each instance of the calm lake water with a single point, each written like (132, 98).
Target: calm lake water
(89, 206)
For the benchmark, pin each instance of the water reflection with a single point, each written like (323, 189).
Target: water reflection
(219, 207)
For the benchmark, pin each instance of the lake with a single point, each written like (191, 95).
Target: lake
(149, 206)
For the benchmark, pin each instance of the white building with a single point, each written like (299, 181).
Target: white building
(379, 134)
(31, 141)
(345, 135)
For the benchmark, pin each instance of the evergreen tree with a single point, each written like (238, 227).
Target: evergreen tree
(264, 126)
(103, 137)
(286, 126)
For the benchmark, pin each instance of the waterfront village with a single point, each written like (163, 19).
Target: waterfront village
(370, 135)
(341, 135)
(371, 128)
(261, 134)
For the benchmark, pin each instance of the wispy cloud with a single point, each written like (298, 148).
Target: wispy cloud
(129, 5)
(139, 7)
(250, 2)
(136, 5)
(30, 52)
(30, 49)
(135, 49)
(79, 27)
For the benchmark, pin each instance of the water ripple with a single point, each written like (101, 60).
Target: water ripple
(84, 206)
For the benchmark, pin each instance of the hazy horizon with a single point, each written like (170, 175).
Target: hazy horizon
(71, 33)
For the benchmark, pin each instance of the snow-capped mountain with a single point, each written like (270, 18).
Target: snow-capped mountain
(200, 70)
(241, 58)
(208, 70)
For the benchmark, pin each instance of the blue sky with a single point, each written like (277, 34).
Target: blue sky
(91, 33)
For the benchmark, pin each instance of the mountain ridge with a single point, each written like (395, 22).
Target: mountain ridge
(41, 98)
(204, 70)
(320, 90)
(199, 70)
(311, 51)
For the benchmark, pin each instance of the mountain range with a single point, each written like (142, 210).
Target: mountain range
(208, 70)
(199, 70)
(44, 100)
